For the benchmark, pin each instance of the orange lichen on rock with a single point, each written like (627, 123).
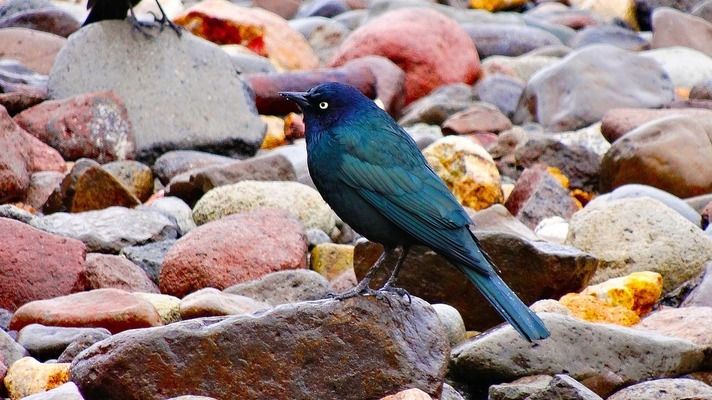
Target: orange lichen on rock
(593, 309)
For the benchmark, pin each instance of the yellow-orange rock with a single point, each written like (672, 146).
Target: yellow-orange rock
(332, 260)
(591, 308)
(275, 136)
(496, 5)
(28, 376)
(467, 169)
(261, 31)
(638, 291)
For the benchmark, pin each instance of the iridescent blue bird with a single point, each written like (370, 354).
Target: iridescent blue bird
(370, 171)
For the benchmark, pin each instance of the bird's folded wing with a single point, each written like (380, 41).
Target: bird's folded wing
(407, 192)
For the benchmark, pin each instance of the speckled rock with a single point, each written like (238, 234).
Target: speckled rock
(467, 169)
(10, 350)
(331, 260)
(111, 229)
(232, 250)
(340, 342)
(641, 235)
(93, 125)
(689, 323)
(520, 389)
(81, 343)
(284, 287)
(28, 376)
(211, 302)
(15, 162)
(665, 389)
(302, 201)
(212, 111)
(633, 355)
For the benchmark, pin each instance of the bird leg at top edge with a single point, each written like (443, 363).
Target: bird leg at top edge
(164, 20)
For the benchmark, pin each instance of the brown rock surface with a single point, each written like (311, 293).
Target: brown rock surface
(35, 49)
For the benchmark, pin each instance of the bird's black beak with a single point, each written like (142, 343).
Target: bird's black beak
(297, 97)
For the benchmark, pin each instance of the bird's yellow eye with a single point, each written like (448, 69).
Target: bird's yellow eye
(323, 105)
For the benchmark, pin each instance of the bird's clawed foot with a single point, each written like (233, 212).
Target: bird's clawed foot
(388, 289)
(164, 20)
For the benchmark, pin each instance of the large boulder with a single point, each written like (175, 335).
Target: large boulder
(210, 111)
(431, 48)
(361, 348)
(579, 89)
(232, 250)
(37, 265)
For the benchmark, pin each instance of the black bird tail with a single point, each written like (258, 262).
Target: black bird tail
(107, 9)
(508, 305)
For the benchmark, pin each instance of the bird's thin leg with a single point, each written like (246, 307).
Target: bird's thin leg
(164, 20)
(388, 286)
(138, 25)
(362, 287)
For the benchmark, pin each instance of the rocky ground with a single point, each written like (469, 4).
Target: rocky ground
(160, 236)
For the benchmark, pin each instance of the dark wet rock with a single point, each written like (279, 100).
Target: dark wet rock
(339, 342)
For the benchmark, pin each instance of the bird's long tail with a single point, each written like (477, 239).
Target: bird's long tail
(507, 304)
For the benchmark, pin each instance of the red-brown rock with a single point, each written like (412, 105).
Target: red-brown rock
(43, 157)
(284, 8)
(676, 28)
(113, 309)
(432, 49)
(34, 49)
(37, 265)
(538, 195)
(110, 271)
(234, 249)
(93, 125)
(22, 98)
(478, 118)
(671, 154)
(374, 76)
(619, 121)
(15, 163)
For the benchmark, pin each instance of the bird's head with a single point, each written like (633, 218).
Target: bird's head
(325, 104)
